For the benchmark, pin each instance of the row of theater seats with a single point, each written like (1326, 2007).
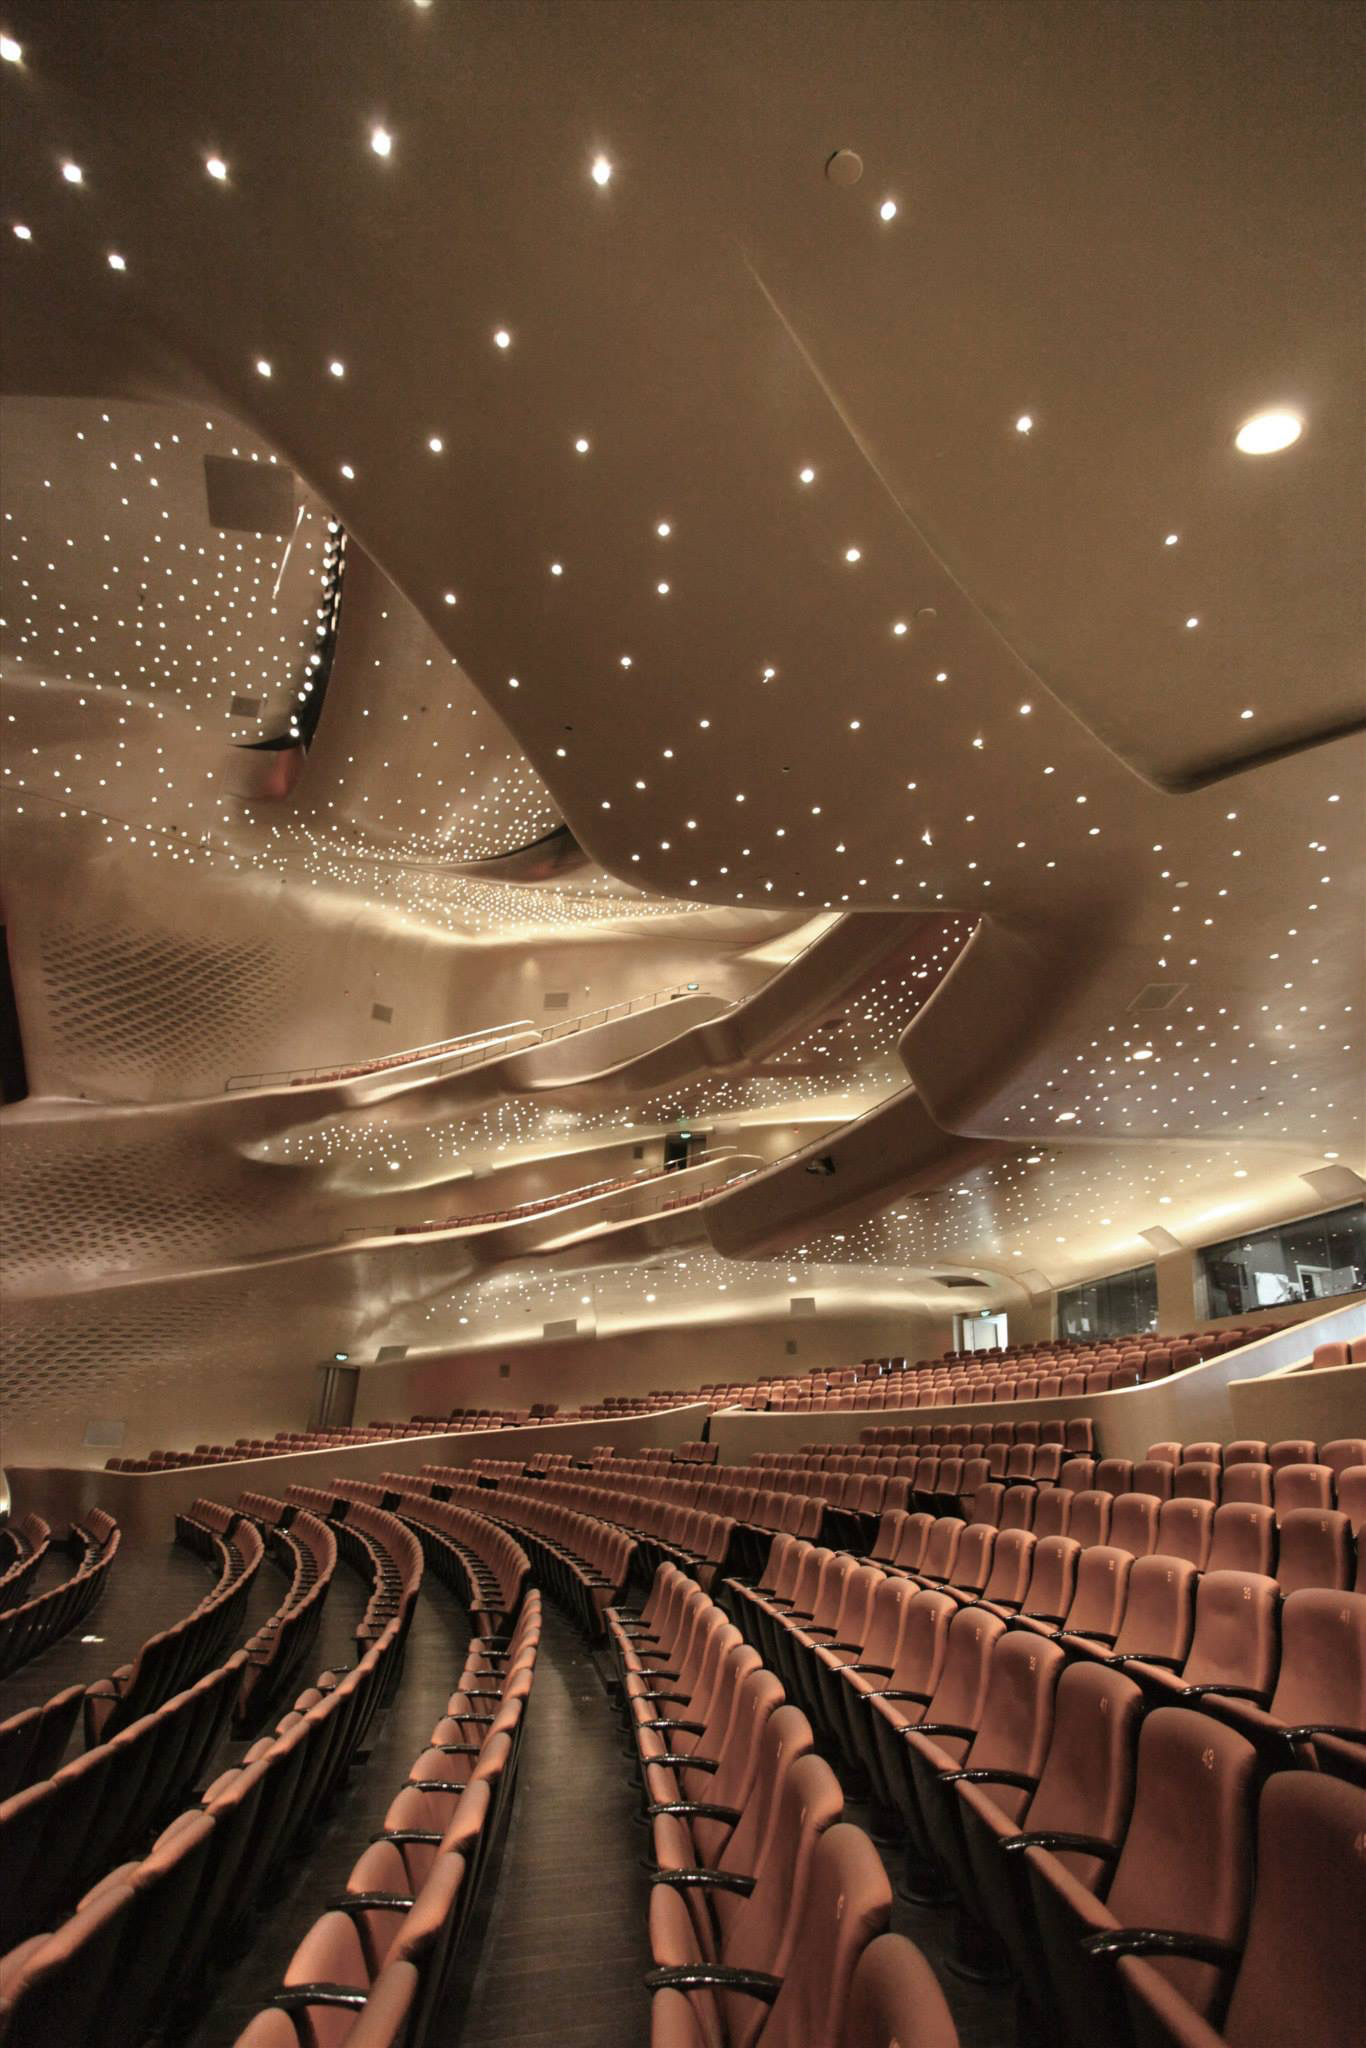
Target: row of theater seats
(584, 1560)
(287, 1443)
(142, 1935)
(174, 1657)
(29, 1627)
(769, 1911)
(1059, 1786)
(521, 1210)
(1349, 1352)
(303, 1546)
(376, 1967)
(26, 1545)
(482, 1565)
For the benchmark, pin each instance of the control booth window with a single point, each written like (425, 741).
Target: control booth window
(1119, 1306)
(1308, 1261)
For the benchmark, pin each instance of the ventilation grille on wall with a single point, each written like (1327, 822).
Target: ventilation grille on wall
(1159, 995)
(557, 999)
(568, 1327)
(802, 1305)
(791, 1347)
(958, 1280)
(389, 1354)
(383, 1013)
(244, 707)
(248, 497)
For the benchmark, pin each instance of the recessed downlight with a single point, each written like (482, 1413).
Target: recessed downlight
(1266, 433)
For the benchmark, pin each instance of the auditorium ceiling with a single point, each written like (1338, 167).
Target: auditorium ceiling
(741, 529)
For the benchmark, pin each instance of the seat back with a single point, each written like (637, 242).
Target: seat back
(1011, 1561)
(1086, 1785)
(1159, 1611)
(847, 1903)
(1304, 1963)
(1053, 1578)
(1185, 1528)
(895, 2000)
(1323, 1660)
(1133, 1524)
(1235, 1640)
(1243, 1539)
(1195, 1784)
(763, 1931)
(1097, 1604)
(1315, 1550)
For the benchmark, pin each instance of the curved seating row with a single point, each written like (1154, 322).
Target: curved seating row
(1128, 1776)
(33, 1742)
(581, 1559)
(376, 1966)
(26, 1547)
(60, 1834)
(375, 1543)
(143, 1936)
(304, 1546)
(484, 1567)
(768, 1910)
(1291, 1668)
(27, 1629)
(175, 1657)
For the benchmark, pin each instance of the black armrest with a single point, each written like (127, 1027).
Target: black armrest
(679, 1698)
(1145, 1657)
(878, 1670)
(984, 1777)
(1052, 1838)
(1256, 1694)
(709, 1764)
(431, 1836)
(705, 1880)
(480, 1720)
(937, 1728)
(655, 1657)
(692, 1727)
(1158, 1941)
(901, 1693)
(1308, 1729)
(717, 1977)
(357, 1902)
(819, 1629)
(687, 1808)
(840, 1646)
(293, 1996)
(1086, 1635)
(456, 1748)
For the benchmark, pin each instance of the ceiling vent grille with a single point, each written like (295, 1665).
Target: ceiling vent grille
(802, 1305)
(959, 1280)
(1159, 995)
(244, 707)
(556, 999)
(569, 1327)
(389, 1354)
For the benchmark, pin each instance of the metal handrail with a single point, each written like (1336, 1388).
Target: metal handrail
(523, 1029)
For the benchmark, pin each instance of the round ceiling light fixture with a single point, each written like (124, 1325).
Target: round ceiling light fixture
(1266, 433)
(845, 167)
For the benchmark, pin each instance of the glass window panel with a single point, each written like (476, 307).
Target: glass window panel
(1311, 1260)
(1119, 1306)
